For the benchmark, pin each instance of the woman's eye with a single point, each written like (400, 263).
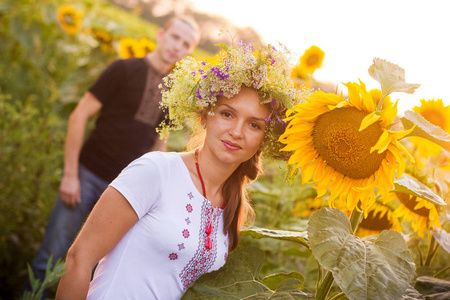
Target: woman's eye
(226, 114)
(255, 125)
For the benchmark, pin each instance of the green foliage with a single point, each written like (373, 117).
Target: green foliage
(363, 269)
(52, 276)
(31, 152)
(239, 279)
(408, 185)
(293, 236)
(45, 71)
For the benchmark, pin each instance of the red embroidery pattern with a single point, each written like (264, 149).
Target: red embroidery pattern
(185, 233)
(173, 256)
(189, 208)
(204, 258)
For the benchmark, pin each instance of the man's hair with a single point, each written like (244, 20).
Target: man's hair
(185, 19)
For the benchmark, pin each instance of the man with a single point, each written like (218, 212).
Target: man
(126, 98)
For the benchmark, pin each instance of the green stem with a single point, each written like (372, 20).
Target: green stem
(337, 296)
(355, 218)
(431, 251)
(441, 271)
(325, 286)
(420, 256)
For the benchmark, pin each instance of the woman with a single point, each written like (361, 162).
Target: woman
(170, 217)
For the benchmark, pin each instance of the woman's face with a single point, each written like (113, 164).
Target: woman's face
(236, 130)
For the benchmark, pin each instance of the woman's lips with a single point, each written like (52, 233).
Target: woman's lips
(231, 146)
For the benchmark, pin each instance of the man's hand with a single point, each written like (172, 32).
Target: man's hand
(69, 190)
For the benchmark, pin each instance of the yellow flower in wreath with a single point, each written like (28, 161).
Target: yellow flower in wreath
(345, 146)
(69, 18)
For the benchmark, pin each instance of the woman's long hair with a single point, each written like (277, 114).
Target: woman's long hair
(238, 209)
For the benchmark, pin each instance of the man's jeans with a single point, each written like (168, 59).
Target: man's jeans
(64, 223)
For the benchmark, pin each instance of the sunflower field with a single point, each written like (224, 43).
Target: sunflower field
(358, 211)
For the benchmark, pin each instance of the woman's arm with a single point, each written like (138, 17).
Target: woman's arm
(108, 222)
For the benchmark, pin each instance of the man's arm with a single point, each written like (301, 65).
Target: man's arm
(69, 188)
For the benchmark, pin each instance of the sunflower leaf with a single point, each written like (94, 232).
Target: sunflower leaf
(425, 129)
(442, 237)
(379, 269)
(273, 281)
(238, 279)
(408, 185)
(293, 236)
(391, 77)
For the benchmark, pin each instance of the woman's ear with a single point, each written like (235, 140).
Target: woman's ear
(203, 117)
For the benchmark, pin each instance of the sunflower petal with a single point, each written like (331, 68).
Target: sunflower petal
(368, 120)
(366, 100)
(398, 135)
(406, 152)
(384, 138)
(389, 114)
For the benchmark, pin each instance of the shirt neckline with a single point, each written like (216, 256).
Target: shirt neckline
(191, 182)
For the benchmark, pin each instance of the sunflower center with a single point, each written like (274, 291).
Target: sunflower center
(374, 222)
(312, 60)
(410, 202)
(338, 141)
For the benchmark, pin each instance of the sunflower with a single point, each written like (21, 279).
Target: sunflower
(129, 47)
(104, 38)
(309, 62)
(421, 213)
(69, 18)
(306, 207)
(435, 112)
(147, 45)
(380, 217)
(345, 146)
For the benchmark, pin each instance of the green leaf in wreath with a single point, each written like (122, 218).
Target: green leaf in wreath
(408, 185)
(238, 279)
(425, 129)
(293, 236)
(381, 269)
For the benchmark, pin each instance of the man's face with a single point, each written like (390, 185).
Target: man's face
(176, 42)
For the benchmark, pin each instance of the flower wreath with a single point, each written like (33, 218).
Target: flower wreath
(194, 85)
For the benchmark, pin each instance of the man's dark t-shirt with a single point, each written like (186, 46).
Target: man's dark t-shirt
(125, 128)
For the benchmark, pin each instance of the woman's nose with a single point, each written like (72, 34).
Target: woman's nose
(237, 130)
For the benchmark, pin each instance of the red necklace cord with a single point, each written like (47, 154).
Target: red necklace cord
(208, 229)
(198, 172)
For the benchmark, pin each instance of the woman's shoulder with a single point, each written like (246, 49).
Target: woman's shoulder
(162, 160)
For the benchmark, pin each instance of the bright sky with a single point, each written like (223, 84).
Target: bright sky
(414, 34)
